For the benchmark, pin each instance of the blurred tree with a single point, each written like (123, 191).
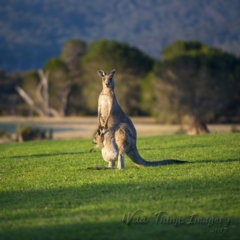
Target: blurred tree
(27, 91)
(232, 112)
(30, 82)
(192, 80)
(52, 88)
(59, 84)
(131, 66)
(72, 53)
(36, 94)
(10, 103)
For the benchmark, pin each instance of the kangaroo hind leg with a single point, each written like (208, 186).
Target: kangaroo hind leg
(121, 164)
(122, 139)
(111, 164)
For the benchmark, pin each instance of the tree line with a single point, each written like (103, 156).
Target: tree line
(192, 82)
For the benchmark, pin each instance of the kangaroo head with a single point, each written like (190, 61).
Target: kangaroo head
(96, 139)
(99, 137)
(107, 79)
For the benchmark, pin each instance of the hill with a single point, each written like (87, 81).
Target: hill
(31, 31)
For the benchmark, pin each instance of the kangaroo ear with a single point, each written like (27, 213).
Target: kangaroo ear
(112, 73)
(101, 73)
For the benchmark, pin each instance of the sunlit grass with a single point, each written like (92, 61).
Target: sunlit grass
(48, 192)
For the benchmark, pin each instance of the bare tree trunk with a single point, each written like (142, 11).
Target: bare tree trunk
(47, 110)
(54, 112)
(29, 101)
(44, 81)
(197, 127)
(38, 93)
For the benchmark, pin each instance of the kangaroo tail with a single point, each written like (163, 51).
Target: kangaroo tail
(139, 161)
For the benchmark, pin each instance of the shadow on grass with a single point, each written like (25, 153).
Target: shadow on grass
(112, 230)
(185, 162)
(218, 161)
(74, 212)
(134, 191)
(46, 155)
(177, 147)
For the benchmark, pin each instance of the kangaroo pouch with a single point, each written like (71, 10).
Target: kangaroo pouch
(110, 153)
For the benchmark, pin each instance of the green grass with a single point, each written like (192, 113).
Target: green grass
(47, 192)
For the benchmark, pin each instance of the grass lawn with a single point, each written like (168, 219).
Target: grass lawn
(47, 192)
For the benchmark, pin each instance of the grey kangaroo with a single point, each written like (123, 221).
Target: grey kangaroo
(116, 133)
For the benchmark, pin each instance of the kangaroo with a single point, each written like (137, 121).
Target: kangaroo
(98, 140)
(113, 148)
(110, 150)
(117, 133)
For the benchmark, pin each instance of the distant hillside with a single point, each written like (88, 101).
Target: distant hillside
(31, 31)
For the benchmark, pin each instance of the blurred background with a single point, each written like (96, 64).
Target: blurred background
(177, 63)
